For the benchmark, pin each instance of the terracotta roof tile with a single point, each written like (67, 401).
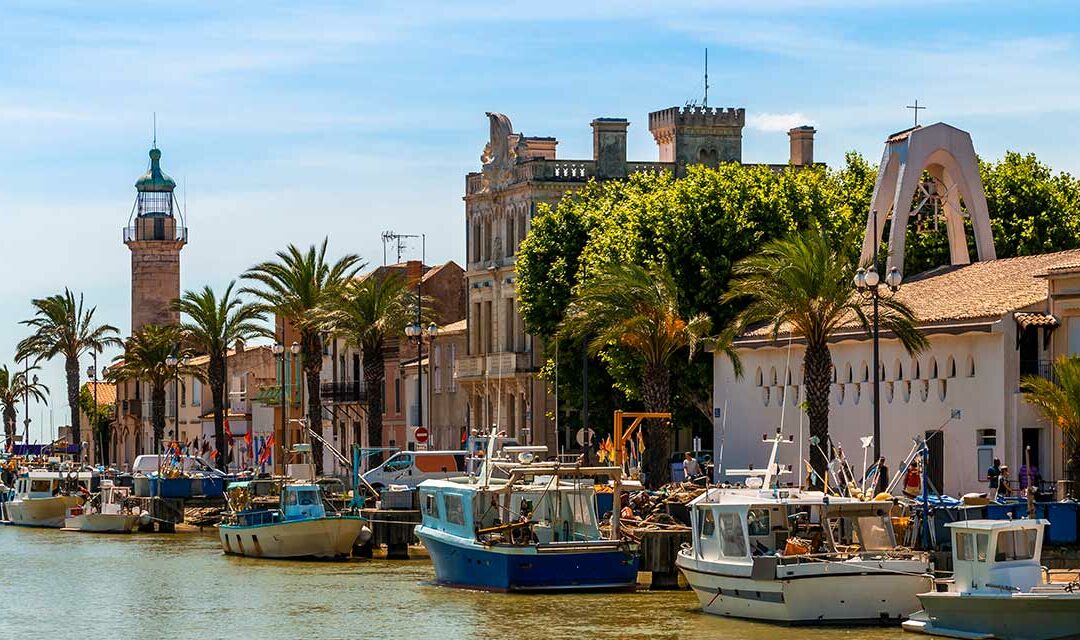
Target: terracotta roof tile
(976, 291)
(106, 392)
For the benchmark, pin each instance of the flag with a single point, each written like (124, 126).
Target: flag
(267, 450)
(640, 441)
(228, 434)
(247, 438)
(213, 454)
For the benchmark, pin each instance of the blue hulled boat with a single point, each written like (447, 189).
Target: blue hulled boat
(535, 530)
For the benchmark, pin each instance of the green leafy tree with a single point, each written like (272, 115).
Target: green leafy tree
(145, 358)
(369, 313)
(1058, 400)
(637, 310)
(13, 388)
(62, 327)
(804, 285)
(211, 325)
(101, 419)
(301, 288)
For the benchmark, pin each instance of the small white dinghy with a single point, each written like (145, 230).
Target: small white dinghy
(999, 589)
(107, 512)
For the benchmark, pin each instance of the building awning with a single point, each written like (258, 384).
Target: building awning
(1025, 319)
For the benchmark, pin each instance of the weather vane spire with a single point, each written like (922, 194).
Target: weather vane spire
(705, 102)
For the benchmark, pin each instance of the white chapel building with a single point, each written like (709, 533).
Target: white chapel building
(988, 322)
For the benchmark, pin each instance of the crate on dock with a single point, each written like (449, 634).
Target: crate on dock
(398, 497)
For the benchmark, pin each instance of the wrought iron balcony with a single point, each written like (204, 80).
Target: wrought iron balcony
(343, 391)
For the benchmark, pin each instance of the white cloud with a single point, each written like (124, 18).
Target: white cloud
(772, 122)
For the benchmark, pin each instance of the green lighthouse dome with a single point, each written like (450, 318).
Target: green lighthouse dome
(154, 179)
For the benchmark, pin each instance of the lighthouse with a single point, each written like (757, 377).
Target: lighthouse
(155, 234)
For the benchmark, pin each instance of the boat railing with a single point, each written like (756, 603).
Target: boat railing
(841, 556)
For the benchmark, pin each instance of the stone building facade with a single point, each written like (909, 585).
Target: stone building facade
(519, 173)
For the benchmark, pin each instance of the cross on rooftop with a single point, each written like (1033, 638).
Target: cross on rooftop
(915, 107)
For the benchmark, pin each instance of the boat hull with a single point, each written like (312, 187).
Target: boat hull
(40, 512)
(1029, 616)
(325, 538)
(102, 523)
(459, 563)
(818, 595)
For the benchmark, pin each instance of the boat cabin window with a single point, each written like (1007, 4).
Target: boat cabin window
(40, 486)
(873, 533)
(1018, 544)
(708, 523)
(757, 522)
(971, 547)
(732, 537)
(430, 506)
(455, 508)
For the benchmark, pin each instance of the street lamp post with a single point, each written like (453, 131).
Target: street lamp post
(867, 283)
(279, 353)
(294, 349)
(174, 362)
(418, 333)
(91, 373)
(26, 405)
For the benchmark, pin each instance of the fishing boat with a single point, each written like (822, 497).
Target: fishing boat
(42, 498)
(787, 555)
(999, 588)
(297, 526)
(109, 511)
(532, 529)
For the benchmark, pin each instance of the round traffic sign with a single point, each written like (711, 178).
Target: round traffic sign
(421, 435)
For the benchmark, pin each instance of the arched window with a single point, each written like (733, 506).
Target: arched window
(848, 375)
(971, 366)
(772, 376)
(759, 377)
(436, 370)
(789, 377)
(906, 390)
(933, 368)
(950, 367)
(916, 369)
(898, 370)
(864, 372)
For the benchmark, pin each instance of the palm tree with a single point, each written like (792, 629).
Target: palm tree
(145, 358)
(368, 314)
(62, 327)
(1058, 400)
(13, 388)
(300, 287)
(212, 325)
(802, 284)
(636, 309)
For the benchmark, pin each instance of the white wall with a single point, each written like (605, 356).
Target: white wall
(987, 400)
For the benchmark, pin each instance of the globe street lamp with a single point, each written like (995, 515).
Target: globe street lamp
(294, 349)
(868, 285)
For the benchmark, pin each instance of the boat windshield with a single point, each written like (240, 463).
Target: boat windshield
(1017, 544)
(874, 533)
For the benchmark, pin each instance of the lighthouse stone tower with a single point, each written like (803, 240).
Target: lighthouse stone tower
(155, 234)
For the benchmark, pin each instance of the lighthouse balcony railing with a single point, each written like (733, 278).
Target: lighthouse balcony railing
(156, 232)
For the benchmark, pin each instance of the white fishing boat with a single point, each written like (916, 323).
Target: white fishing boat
(110, 511)
(798, 557)
(999, 588)
(42, 498)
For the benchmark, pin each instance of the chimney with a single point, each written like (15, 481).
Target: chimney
(239, 346)
(802, 146)
(609, 147)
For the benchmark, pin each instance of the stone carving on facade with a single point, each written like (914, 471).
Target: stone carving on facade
(498, 158)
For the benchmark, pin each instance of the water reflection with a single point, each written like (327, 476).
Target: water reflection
(52, 582)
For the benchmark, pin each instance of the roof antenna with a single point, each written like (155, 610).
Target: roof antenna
(705, 102)
(155, 129)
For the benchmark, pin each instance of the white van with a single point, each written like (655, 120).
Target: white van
(410, 468)
(147, 464)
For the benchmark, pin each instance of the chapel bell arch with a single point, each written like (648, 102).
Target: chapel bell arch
(948, 155)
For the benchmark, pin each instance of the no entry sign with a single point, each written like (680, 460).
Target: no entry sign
(421, 435)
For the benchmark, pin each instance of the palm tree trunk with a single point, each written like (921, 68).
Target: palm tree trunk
(311, 344)
(817, 365)
(216, 377)
(656, 393)
(9, 424)
(375, 382)
(157, 414)
(71, 367)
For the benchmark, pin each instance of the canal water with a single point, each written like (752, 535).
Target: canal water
(56, 584)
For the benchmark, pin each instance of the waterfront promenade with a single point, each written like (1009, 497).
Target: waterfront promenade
(58, 584)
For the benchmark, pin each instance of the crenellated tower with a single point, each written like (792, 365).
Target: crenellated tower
(155, 234)
(698, 135)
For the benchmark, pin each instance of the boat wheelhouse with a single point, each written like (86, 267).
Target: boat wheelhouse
(999, 588)
(536, 530)
(111, 510)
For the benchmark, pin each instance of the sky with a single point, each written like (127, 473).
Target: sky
(289, 122)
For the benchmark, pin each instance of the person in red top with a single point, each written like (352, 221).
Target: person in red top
(912, 480)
